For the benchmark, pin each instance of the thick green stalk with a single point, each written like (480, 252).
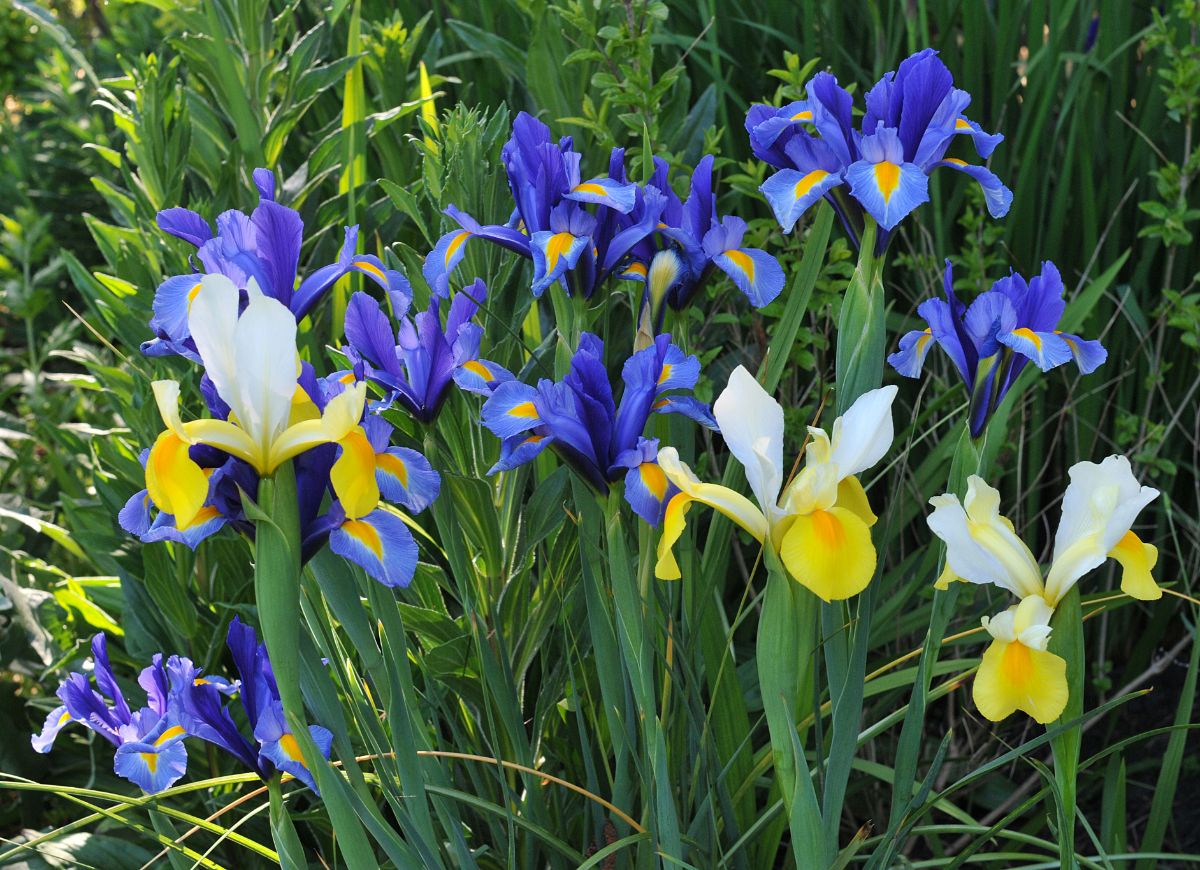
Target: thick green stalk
(969, 458)
(786, 635)
(1066, 640)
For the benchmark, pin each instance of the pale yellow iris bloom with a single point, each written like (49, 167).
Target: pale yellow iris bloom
(820, 526)
(1098, 510)
(253, 362)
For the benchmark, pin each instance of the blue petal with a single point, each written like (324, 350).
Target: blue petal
(995, 194)
(914, 347)
(278, 233)
(157, 761)
(444, 258)
(56, 720)
(985, 143)
(481, 376)
(554, 254)
(183, 223)
(405, 477)
(280, 747)
(1089, 354)
(172, 302)
(381, 544)
(647, 490)
(605, 191)
(135, 516)
(688, 406)
(756, 273)
(510, 410)
(264, 180)
(791, 193)
(888, 191)
(207, 523)
(520, 449)
(1047, 350)
(679, 371)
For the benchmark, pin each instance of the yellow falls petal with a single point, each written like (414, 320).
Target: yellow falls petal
(830, 552)
(1137, 559)
(341, 415)
(1015, 677)
(947, 577)
(175, 483)
(353, 475)
(852, 496)
(674, 522)
(225, 436)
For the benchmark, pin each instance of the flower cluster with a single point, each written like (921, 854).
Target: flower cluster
(580, 420)
(1098, 512)
(183, 702)
(911, 118)
(992, 340)
(568, 244)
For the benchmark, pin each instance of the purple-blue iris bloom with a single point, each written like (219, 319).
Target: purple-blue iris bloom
(203, 711)
(578, 418)
(912, 117)
(991, 340)
(149, 741)
(550, 223)
(416, 362)
(263, 246)
(688, 240)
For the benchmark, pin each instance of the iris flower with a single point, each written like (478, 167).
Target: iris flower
(821, 524)
(149, 741)
(417, 362)
(1098, 511)
(689, 240)
(911, 119)
(991, 341)
(578, 418)
(252, 362)
(201, 706)
(263, 247)
(549, 224)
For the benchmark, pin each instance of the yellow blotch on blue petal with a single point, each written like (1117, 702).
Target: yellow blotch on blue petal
(887, 177)
(809, 181)
(394, 466)
(743, 262)
(654, 479)
(365, 534)
(558, 245)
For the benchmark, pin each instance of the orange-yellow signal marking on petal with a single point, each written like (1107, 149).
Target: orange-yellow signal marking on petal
(365, 534)
(804, 115)
(887, 176)
(478, 368)
(955, 161)
(805, 184)
(636, 269)
(743, 262)
(961, 124)
(192, 294)
(1027, 333)
(393, 465)
(370, 267)
(171, 733)
(525, 409)
(556, 247)
(455, 243)
(590, 187)
(666, 372)
(151, 759)
(291, 748)
(654, 479)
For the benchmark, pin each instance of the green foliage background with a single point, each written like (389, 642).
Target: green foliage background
(501, 649)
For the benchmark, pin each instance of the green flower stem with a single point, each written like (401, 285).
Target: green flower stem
(786, 641)
(1066, 640)
(969, 458)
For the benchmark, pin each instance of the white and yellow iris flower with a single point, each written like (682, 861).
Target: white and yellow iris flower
(254, 365)
(820, 525)
(1098, 510)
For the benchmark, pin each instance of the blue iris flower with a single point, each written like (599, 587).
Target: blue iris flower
(688, 241)
(912, 117)
(263, 246)
(416, 362)
(149, 741)
(578, 418)
(991, 340)
(203, 710)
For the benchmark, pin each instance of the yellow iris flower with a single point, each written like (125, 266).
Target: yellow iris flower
(820, 526)
(253, 362)
(1098, 509)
